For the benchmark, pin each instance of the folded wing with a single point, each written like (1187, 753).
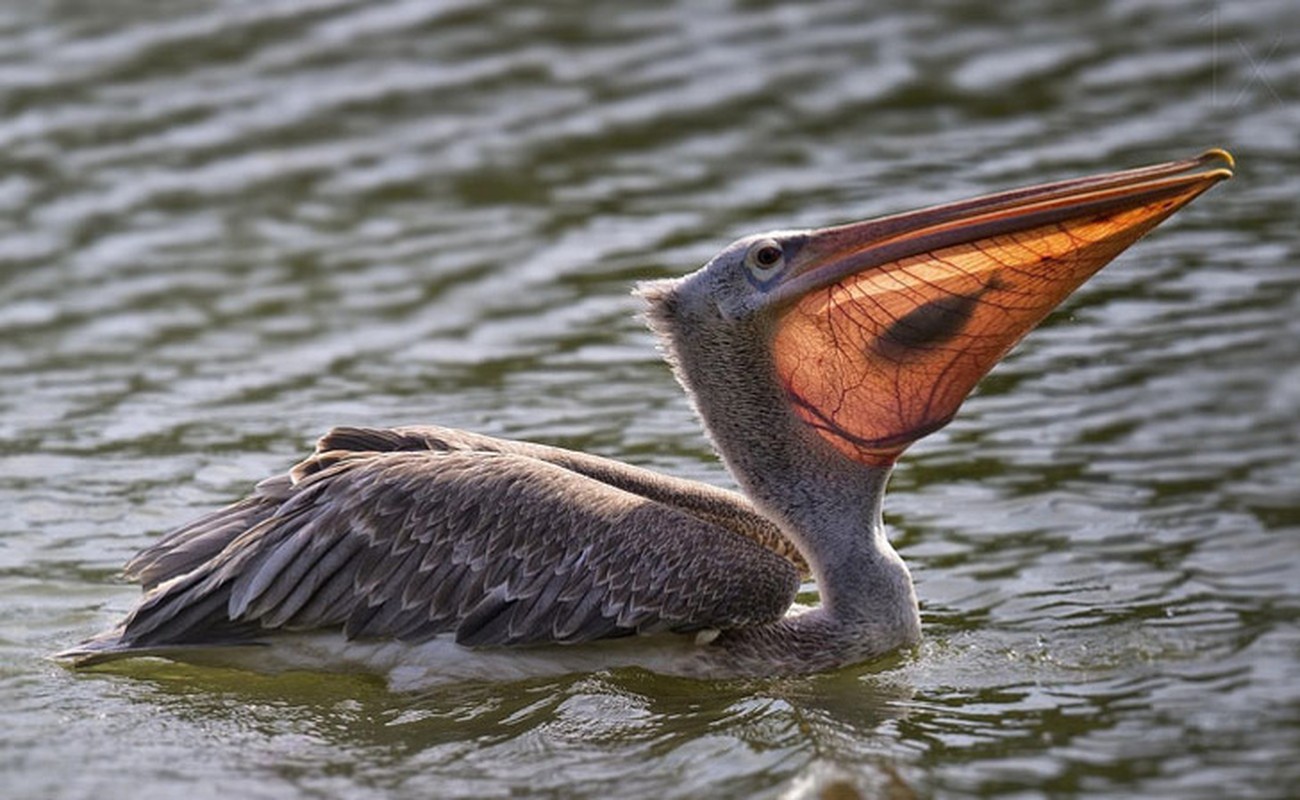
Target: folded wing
(407, 534)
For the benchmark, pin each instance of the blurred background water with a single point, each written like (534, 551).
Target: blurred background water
(226, 225)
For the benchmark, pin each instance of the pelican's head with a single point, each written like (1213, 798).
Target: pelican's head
(876, 331)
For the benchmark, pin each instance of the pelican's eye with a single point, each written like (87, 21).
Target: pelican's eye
(765, 261)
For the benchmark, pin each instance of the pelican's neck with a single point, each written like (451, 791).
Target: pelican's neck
(828, 505)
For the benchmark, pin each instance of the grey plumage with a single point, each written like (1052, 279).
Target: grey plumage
(413, 532)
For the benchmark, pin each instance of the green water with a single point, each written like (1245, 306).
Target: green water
(226, 226)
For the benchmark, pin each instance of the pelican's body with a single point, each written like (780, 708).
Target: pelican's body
(813, 358)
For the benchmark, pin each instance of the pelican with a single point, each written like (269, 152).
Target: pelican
(813, 358)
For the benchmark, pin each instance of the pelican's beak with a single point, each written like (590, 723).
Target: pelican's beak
(884, 326)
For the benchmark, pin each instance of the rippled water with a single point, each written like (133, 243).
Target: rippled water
(229, 225)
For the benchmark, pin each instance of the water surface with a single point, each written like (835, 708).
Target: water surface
(229, 225)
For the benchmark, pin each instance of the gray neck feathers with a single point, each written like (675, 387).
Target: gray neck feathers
(827, 504)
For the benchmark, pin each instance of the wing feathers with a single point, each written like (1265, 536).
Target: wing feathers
(198, 542)
(281, 564)
(425, 533)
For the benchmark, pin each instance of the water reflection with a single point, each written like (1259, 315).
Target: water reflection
(688, 737)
